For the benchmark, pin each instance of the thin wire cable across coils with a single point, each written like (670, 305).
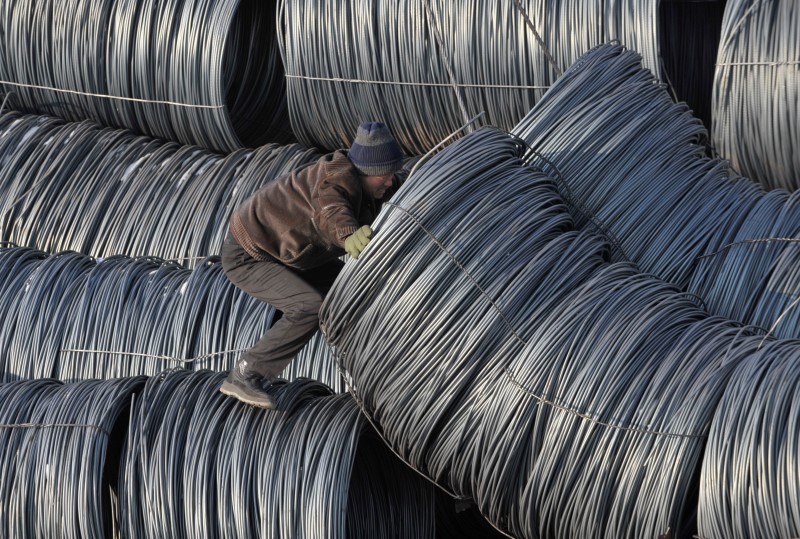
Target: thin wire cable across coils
(205, 72)
(756, 99)
(104, 191)
(567, 395)
(219, 468)
(627, 157)
(71, 317)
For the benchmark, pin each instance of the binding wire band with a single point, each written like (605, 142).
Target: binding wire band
(106, 96)
(728, 64)
(423, 84)
(197, 359)
(539, 39)
(5, 100)
(748, 242)
(590, 418)
(53, 425)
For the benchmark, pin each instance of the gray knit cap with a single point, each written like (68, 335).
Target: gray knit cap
(375, 152)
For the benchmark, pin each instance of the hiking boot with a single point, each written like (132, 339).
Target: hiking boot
(248, 389)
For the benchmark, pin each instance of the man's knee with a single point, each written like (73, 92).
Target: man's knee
(305, 309)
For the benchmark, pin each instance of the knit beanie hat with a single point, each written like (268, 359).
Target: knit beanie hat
(375, 152)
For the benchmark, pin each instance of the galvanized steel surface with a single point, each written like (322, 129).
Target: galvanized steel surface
(756, 107)
(104, 191)
(120, 316)
(568, 395)
(204, 72)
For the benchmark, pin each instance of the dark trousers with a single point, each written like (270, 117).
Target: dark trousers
(297, 294)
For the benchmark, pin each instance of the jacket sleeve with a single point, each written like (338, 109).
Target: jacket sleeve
(337, 199)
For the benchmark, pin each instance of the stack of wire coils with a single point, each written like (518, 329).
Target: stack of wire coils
(56, 454)
(135, 64)
(512, 350)
(628, 160)
(122, 317)
(567, 394)
(171, 456)
(105, 191)
(229, 470)
(426, 67)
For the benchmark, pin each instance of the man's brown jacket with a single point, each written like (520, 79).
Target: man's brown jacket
(303, 218)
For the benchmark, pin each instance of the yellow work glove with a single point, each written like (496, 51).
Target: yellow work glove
(355, 242)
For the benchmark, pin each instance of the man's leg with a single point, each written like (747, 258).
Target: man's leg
(298, 295)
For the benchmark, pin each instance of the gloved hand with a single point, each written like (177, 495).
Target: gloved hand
(355, 242)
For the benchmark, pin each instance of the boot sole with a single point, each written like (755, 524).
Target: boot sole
(230, 390)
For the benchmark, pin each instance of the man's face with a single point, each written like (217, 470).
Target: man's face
(376, 186)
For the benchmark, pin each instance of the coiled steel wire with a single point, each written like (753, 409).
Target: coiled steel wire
(627, 159)
(569, 396)
(427, 66)
(42, 315)
(71, 317)
(222, 469)
(58, 455)
(750, 273)
(756, 98)
(18, 265)
(749, 484)
(206, 72)
(104, 191)
(621, 381)
(654, 195)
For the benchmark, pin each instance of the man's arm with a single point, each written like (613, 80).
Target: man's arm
(336, 214)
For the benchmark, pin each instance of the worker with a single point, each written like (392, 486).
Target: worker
(285, 242)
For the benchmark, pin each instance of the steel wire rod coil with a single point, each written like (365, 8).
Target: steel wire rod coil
(18, 265)
(749, 484)
(751, 272)
(569, 396)
(104, 191)
(756, 98)
(41, 316)
(72, 317)
(60, 451)
(628, 160)
(427, 66)
(219, 468)
(629, 155)
(206, 72)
